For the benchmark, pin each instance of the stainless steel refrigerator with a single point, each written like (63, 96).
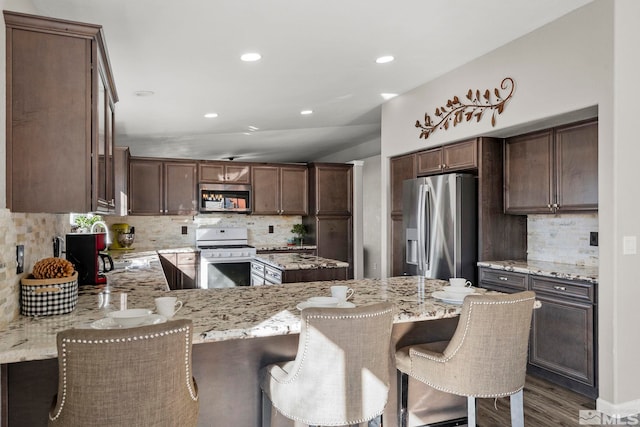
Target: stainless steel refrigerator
(440, 226)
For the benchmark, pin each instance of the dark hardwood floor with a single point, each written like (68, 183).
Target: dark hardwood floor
(545, 404)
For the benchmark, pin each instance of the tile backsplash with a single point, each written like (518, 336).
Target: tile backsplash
(164, 232)
(35, 232)
(562, 238)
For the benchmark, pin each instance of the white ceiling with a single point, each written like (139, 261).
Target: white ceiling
(316, 54)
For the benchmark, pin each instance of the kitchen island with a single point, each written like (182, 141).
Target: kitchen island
(236, 331)
(277, 268)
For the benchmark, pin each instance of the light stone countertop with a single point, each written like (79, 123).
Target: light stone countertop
(267, 248)
(217, 314)
(284, 261)
(547, 269)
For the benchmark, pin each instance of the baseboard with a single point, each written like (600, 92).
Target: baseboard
(624, 409)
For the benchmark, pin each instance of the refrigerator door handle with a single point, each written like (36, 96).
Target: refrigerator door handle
(425, 206)
(420, 231)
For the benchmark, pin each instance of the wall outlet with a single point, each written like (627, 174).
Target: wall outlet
(593, 238)
(271, 229)
(184, 229)
(20, 259)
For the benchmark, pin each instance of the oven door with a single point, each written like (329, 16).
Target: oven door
(225, 273)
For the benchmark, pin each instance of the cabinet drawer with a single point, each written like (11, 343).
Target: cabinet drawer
(501, 278)
(272, 275)
(257, 268)
(188, 258)
(560, 288)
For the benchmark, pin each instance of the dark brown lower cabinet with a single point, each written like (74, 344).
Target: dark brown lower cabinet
(333, 237)
(181, 269)
(264, 274)
(563, 342)
(563, 339)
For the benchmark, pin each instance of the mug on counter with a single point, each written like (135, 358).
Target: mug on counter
(342, 293)
(459, 281)
(168, 306)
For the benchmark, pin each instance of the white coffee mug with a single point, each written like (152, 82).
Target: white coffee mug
(459, 281)
(168, 306)
(343, 293)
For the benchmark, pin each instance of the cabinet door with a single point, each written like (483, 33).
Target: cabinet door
(576, 153)
(529, 173)
(397, 246)
(221, 172)
(211, 172)
(401, 168)
(430, 162)
(265, 185)
(460, 156)
(562, 338)
(333, 190)
(333, 237)
(146, 190)
(168, 262)
(188, 276)
(294, 190)
(49, 129)
(180, 188)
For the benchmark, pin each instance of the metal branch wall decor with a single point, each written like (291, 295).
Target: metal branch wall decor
(455, 111)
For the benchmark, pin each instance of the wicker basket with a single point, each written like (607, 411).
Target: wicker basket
(45, 297)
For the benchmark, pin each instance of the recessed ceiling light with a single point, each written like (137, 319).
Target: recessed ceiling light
(211, 115)
(387, 96)
(306, 112)
(251, 57)
(144, 93)
(385, 59)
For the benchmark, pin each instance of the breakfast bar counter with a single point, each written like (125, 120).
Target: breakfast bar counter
(236, 330)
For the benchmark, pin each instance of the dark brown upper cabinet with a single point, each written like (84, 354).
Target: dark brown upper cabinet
(160, 187)
(279, 189)
(224, 172)
(60, 114)
(449, 158)
(552, 171)
(401, 168)
(331, 189)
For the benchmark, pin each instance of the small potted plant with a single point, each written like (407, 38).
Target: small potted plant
(300, 230)
(84, 222)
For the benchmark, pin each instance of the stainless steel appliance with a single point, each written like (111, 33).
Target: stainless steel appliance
(440, 226)
(224, 198)
(225, 257)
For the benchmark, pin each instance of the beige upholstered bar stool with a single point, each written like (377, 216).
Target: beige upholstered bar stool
(126, 377)
(340, 375)
(486, 357)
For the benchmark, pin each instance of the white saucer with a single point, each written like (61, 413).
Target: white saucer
(109, 323)
(308, 304)
(458, 290)
(449, 298)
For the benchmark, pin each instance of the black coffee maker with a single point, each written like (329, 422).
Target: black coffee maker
(84, 251)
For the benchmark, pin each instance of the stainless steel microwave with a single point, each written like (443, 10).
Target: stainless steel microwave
(224, 198)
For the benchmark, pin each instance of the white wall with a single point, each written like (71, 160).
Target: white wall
(573, 64)
(371, 220)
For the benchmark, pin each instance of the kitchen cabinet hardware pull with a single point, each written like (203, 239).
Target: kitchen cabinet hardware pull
(559, 288)
(503, 278)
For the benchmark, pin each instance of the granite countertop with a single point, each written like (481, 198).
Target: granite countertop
(267, 248)
(217, 314)
(293, 261)
(548, 269)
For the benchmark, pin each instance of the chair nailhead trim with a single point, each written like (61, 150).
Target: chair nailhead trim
(304, 353)
(123, 340)
(412, 353)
